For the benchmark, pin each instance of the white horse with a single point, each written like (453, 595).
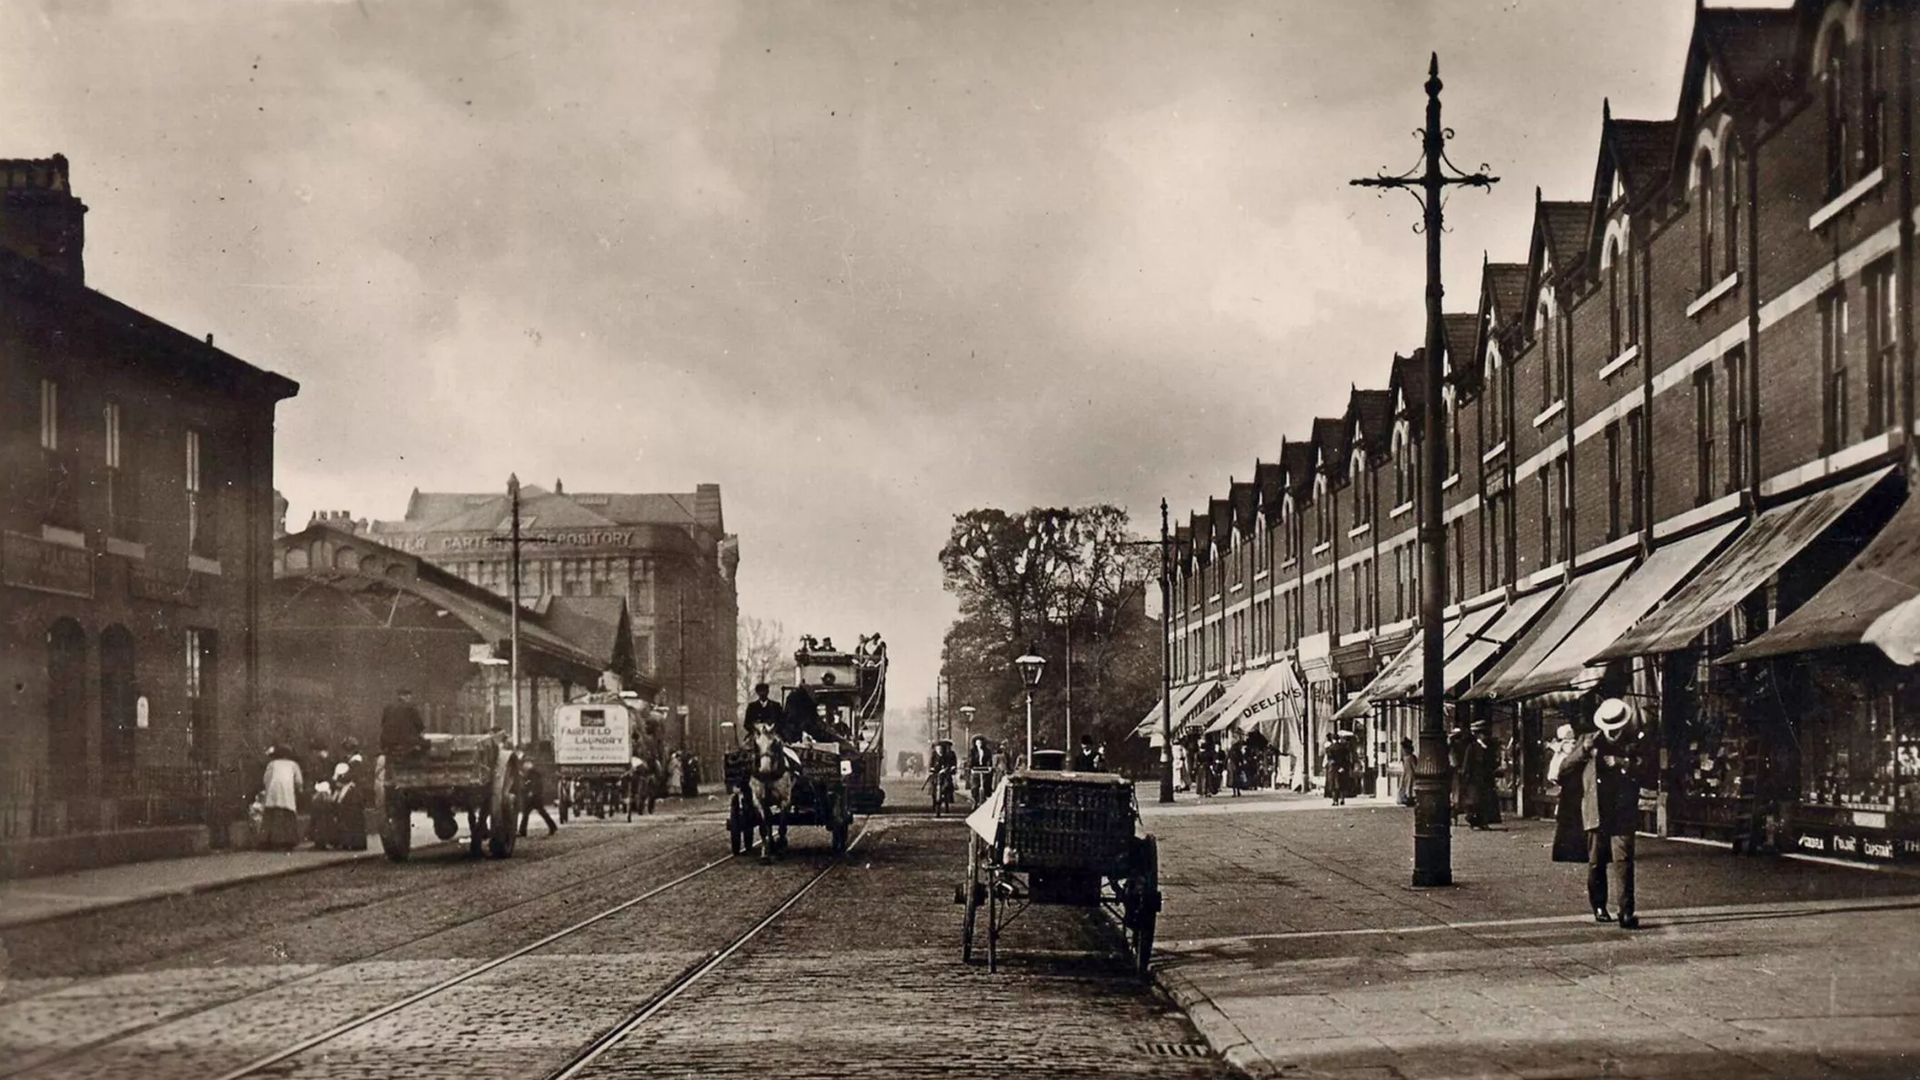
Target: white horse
(770, 785)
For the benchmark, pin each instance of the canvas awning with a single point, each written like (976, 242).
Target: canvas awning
(1566, 667)
(1356, 707)
(1881, 578)
(1484, 646)
(1403, 677)
(1574, 605)
(1756, 555)
(1221, 714)
(1151, 723)
(1203, 695)
(1275, 705)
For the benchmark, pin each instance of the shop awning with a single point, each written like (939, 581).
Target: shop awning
(1487, 644)
(1357, 706)
(1404, 675)
(1151, 723)
(1881, 578)
(1275, 706)
(1203, 695)
(1221, 714)
(1756, 555)
(1574, 605)
(1566, 668)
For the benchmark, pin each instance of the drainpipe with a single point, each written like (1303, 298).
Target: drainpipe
(1752, 389)
(1640, 235)
(1567, 501)
(1907, 242)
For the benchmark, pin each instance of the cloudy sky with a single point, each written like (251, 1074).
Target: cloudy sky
(866, 265)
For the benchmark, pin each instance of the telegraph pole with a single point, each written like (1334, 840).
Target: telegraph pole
(513, 660)
(1166, 659)
(1432, 832)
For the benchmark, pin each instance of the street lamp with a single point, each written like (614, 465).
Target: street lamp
(966, 720)
(1030, 665)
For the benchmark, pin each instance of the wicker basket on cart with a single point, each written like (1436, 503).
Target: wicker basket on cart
(1055, 822)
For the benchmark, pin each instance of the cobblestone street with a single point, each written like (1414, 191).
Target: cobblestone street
(862, 973)
(1292, 935)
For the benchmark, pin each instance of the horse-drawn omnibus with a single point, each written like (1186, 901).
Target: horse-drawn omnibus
(822, 763)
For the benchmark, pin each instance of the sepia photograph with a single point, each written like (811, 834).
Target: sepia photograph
(1072, 539)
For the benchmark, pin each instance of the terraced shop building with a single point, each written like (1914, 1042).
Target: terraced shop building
(1678, 450)
(136, 528)
(669, 555)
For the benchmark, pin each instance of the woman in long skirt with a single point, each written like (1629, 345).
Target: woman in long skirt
(281, 788)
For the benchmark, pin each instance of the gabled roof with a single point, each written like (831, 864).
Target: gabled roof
(1370, 419)
(1506, 285)
(1641, 154)
(1409, 389)
(1754, 52)
(1200, 535)
(1565, 226)
(1220, 511)
(1244, 498)
(1270, 488)
(599, 624)
(1297, 460)
(1331, 437)
(1463, 351)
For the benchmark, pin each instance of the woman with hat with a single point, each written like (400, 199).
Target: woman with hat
(1600, 808)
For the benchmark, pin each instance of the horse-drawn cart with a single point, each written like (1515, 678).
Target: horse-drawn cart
(815, 793)
(448, 775)
(594, 741)
(1064, 838)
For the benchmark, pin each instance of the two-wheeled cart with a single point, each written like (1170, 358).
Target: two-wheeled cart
(446, 776)
(1061, 838)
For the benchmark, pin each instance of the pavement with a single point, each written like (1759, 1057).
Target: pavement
(1294, 940)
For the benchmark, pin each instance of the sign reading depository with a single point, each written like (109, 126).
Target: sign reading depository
(490, 541)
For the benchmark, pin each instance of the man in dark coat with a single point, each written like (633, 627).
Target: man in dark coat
(1600, 798)
(1480, 761)
(401, 729)
(760, 710)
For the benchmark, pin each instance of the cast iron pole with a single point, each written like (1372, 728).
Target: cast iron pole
(1166, 661)
(1432, 832)
(513, 650)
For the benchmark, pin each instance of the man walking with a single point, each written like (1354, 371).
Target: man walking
(533, 795)
(1600, 800)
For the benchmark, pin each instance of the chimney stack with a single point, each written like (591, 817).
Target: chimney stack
(39, 217)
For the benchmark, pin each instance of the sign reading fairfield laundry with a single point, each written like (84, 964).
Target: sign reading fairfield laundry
(592, 735)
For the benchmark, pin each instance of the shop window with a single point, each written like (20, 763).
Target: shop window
(1848, 752)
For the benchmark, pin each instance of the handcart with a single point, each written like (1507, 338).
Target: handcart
(1064, 838)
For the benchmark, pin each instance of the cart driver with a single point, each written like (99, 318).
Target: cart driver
(760, 710)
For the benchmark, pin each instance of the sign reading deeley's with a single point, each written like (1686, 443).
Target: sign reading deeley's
(496, 541)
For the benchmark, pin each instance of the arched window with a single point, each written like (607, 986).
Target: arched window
(1704, 180)
(1615, 323)
(1834, 92)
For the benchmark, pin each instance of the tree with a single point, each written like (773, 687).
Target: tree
(765, 649)
(1061, 581)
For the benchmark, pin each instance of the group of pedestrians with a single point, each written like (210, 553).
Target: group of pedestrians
(336, 803)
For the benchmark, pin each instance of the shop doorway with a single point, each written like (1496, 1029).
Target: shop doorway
(118, 707)
(67, 708)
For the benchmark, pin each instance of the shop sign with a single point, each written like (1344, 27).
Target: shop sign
(1852, 846)
(28, 562)
(1811, 843)
(492, 541)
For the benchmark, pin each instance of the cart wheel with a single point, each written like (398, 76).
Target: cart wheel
(1143, 891)
(972, 886)
(396, 828)
(504, 808)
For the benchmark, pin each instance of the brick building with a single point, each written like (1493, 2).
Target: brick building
(136, 526)
(1679, 441)
(668, 554)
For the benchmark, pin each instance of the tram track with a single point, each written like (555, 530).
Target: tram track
(44, 1065)
(308, 1054)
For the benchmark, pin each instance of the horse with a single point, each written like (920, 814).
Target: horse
(770, 786)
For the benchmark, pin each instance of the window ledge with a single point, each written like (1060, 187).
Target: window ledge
(1214, 599)
(1290, 563)
(64, 537)
(1237, 586)
(203, 566)
(1619, 363)
(1721, 288)
(1320, 549)
(1498, 449)
(1359, 530)
(126, 548)
(1402, 510)
(1259, 577)
(1550, 412)
(1450, 482)
(1839, 203)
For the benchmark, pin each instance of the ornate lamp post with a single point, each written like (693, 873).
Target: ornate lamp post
(1030, 665)
(966, 720)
